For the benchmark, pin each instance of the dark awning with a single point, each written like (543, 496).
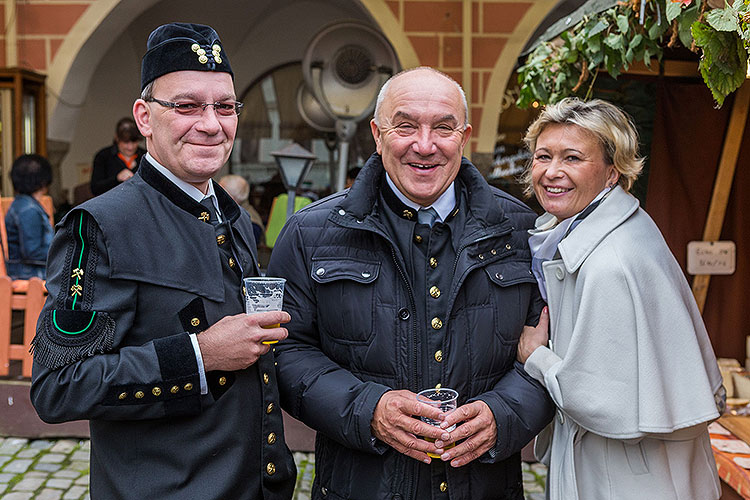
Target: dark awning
(565, 15)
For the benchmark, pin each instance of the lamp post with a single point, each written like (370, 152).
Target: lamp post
(293, 162)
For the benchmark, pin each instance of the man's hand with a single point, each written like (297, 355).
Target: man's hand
(396, 422)
(533, 337)
(478, 428)
(236, 342)
(124, 174)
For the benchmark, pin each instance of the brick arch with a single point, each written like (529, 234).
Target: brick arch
(391, 28)
(502, 71)
(70, 72)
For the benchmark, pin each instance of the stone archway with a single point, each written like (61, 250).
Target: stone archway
(79, 55)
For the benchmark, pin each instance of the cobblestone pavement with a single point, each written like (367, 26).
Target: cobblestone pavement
(44, 469)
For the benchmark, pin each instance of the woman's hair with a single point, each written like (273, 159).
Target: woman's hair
(609, 124)
(127, 131)
(30, 173)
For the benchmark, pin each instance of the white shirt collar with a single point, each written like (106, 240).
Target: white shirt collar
(444, 205)
(187, 188)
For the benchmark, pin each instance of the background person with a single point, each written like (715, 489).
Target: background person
(239, 189)
(629, 364)
(117, 163)
(27, 224)
(144, 332)
(386, 302)
(352, 174)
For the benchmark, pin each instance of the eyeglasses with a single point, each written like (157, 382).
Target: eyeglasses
(188, 108)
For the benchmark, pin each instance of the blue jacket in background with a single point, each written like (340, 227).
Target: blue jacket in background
(29, 237)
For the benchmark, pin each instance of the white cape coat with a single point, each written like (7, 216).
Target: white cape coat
(631, 368)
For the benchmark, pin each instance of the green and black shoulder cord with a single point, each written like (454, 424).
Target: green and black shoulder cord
(72, 330)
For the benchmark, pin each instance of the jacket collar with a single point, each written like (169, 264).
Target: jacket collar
(229, 209)
(610, 214)
(361, 200)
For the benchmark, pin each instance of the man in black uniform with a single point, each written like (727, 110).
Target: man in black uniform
(143, 332)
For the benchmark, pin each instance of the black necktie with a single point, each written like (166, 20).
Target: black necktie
(223, 237)
(208, 204)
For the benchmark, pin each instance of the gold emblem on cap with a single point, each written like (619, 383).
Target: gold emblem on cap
(195, 47)
(216, 47)
(203, 59)
(201, 52)
(217, 58)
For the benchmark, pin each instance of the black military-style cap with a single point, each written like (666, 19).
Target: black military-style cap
(182, 47)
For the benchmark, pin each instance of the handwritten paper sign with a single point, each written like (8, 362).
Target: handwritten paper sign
(711, 257)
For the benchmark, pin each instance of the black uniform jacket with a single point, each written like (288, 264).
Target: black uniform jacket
(130, 274)
(354, 335)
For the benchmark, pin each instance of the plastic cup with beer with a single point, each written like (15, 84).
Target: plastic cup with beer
(444, 400)
(264, 294)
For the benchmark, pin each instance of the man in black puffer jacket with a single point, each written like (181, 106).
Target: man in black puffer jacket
(418, 276)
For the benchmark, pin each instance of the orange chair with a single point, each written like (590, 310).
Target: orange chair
(18, 295)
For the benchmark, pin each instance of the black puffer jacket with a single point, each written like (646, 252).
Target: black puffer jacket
(353, 336)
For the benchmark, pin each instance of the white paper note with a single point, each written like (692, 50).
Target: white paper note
(731, 446)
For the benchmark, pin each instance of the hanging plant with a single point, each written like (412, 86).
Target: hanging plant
(638, 30)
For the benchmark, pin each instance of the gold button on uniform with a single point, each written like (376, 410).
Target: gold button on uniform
(174, 390)
(271, 438)
(436, 323)
(122, 395)
(231, 262)
(221, 239)
(443, 486)
(139, 394)
(195, 322)
(433, 262)
(222, 380)
(266, 378)
(439, 356)
(271, 469)
(269, 408)
(156, 391)
(418, 239)
(188, 386)
(434, 292)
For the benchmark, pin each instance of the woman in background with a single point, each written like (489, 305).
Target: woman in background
(27, 224)
(628, 363)
(118, 162)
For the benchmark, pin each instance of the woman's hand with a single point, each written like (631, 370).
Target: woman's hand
(533, 337)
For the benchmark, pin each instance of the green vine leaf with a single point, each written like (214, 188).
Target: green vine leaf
(673, 10)
(726, 19)
(622, 24)
(684, 22)
(723, 64)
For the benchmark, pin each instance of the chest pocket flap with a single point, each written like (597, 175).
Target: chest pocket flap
(328, 270)
(510, 273)
(346, 286)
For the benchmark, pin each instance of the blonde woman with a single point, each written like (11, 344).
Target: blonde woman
(628, 362)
